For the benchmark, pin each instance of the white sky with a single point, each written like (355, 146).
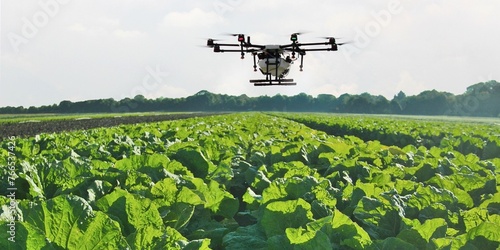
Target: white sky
(54, 50)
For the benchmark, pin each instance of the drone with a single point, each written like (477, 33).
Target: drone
(274, 61)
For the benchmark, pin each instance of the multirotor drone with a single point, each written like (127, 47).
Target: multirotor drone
(274, 61)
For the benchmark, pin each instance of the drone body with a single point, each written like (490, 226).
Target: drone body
(274, 61)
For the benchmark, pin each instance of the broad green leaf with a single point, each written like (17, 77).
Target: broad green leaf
(294, 152)
(252, 199)
(188, 196)
(245, 238)
(474, 217)
(70, 223)
(405, 187)
(289, 188)
(219, 201)
(24, 236)
(301, 238)
(256, 178)
(166, 190)
(133, 211)
(280, 215)
(347, 233)
(420, 235)
(442, 182)
(492, 203)
(379, 218)
(92, 190)
(392, 243)
(440, 243)
(137, 182)
(178, 215)
(175, 168)
(152, 165)
(156, 238)
(193, 158)
(215, 198)
(30, 174)
(203, 244)
(427, 196)
(485, 236)
(278, 242)
(475, 184)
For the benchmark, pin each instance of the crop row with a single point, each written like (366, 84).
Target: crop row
(481, 139)
(24, 127)
(244, 181)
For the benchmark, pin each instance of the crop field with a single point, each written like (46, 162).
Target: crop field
(254, 181)
(31, 125)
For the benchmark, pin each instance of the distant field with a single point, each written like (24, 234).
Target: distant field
(466, 119)
(469, 119)
(27, 118)
(27, 125)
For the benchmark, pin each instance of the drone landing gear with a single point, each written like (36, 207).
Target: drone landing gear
(270, 82)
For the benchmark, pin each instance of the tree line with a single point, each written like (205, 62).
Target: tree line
(481, 99)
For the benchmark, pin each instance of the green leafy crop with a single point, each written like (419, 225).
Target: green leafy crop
(256, 181)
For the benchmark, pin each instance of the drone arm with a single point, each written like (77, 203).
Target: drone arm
(323, 49)
(227, 44)
(313, 44)
(297, 47)
(237, 50)
(292, 45)
(229, 50)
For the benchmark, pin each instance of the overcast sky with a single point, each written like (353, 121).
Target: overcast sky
(54, 50)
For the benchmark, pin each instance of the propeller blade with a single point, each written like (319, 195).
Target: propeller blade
(302, 32)
(231, 34)
(241, 37)
(339, 44)
(213, 40)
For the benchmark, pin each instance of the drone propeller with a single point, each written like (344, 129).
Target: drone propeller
(232, 34)
(294, 35)
(301, 32)
(241, 37)
(330, 37)
(339, 44)
(332, 40)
